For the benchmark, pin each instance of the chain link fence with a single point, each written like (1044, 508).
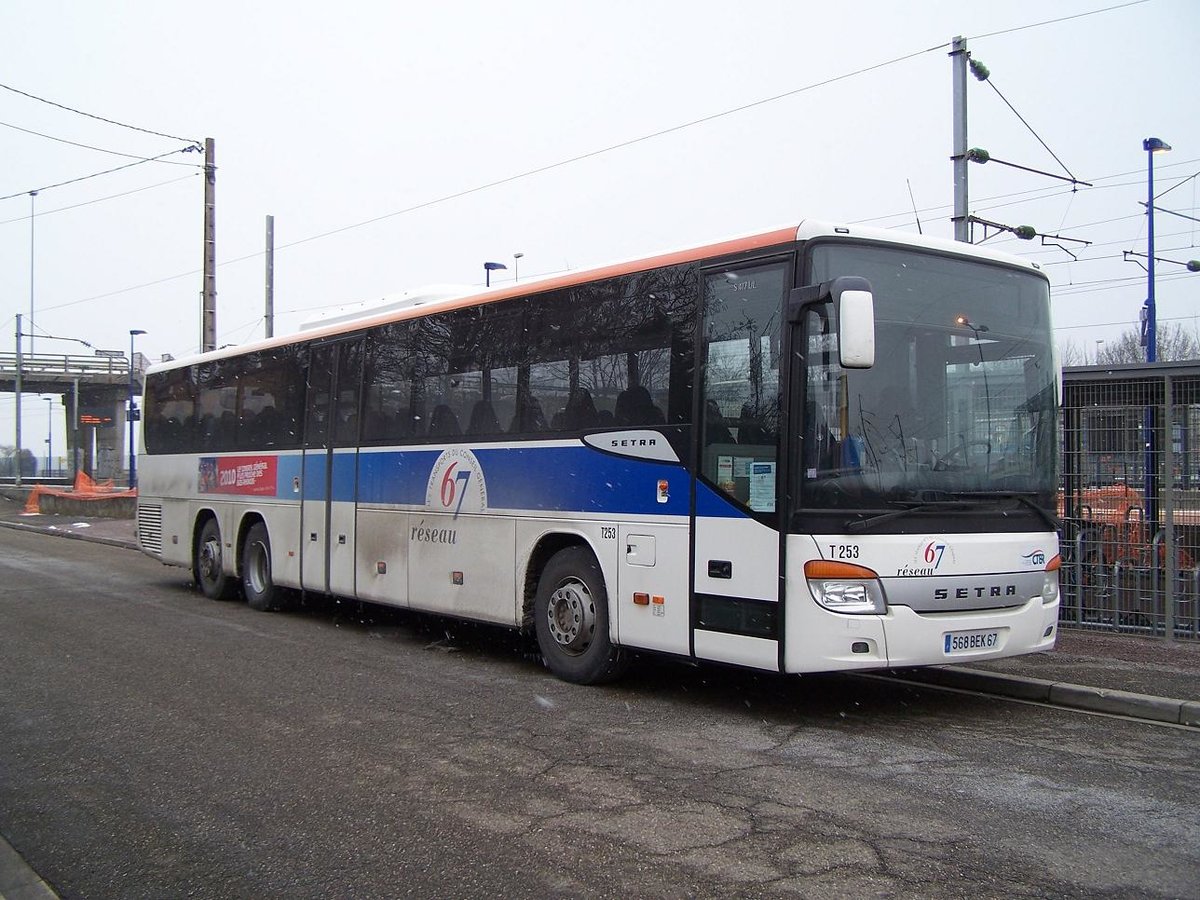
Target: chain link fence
(1130, 500)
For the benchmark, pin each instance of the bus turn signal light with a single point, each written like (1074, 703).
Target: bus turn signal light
(824, 568)
(641, 599)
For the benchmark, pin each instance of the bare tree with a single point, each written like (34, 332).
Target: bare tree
(1071, 355)
(1174, 343)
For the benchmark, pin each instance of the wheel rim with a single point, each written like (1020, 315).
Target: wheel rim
(258, 568)
(571, 615)
(210, 559)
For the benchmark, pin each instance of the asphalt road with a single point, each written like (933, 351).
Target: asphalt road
(157, 744)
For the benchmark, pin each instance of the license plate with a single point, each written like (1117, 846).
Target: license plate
(970, 641)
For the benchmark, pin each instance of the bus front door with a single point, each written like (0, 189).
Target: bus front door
(330, 468)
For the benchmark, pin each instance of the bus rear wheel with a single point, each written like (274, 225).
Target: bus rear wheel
(208, 569)
(260, 589)
(570, 612)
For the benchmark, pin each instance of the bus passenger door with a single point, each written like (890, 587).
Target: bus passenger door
(735, 536)
(330, 468)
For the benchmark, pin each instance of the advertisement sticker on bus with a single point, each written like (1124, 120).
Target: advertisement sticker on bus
(253, 475)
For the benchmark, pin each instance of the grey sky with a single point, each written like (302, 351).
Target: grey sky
(330, 116)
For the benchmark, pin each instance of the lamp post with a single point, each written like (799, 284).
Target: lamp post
(1151, 145)
(32, 210)
(131, 413)
(489, 268)
(517, 266)
(49, 434)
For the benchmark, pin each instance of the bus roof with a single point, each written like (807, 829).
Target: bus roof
(436, 298)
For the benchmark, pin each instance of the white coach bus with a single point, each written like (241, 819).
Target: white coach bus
(814, 449)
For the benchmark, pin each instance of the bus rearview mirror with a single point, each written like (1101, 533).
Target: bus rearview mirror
(856, 322)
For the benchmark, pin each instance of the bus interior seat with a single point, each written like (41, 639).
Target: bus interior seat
(529, 418)
(443, 422)
(580, 411)
(634, 406)
(483, 419)
(715, 429)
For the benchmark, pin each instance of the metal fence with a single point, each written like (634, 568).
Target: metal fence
(1130, 499)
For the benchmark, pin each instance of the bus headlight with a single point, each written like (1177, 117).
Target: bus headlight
(1050, 582)
(845, 588)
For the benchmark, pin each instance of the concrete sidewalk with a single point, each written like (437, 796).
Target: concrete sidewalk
(1143, 677)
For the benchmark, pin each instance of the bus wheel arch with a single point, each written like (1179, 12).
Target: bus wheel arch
(208, 568)
(571, 617)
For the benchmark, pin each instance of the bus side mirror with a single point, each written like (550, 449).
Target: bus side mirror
(855, 307)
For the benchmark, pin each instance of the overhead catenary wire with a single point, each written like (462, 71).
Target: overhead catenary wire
(140, 162)
(1082, 15)
(48, 212)
(89, 115)
(59, 140)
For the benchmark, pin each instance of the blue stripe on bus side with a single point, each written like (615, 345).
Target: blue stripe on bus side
(580, 479)
(392, 477)
(560, 479)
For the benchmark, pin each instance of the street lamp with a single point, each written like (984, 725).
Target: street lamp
(489, 268)
(132, 413)
(49, 433)
(517, 266)
(1151, 145)
(32, 210)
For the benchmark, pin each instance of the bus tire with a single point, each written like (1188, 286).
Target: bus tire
(570, 612)
(260, 589)
(208, 569)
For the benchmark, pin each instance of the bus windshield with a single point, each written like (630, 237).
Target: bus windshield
(961, 401)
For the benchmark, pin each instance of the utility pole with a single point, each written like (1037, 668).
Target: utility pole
(208, 320)
(269, 316)
(959, 55)
(17, 458)
(32, 200)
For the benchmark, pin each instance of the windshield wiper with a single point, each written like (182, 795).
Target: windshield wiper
(857, 525)
(1024, 497)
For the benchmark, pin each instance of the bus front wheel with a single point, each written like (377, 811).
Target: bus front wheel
(570, 614)
(260, 589)
(208, 569)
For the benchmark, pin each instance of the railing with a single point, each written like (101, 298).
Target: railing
(43, 364)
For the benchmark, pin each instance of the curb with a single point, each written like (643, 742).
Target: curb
(72, 535)
(17, 880)
(1061, 693)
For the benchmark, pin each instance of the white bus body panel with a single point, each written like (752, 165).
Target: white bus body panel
(751, 547)
(381, 551)
(817, 639)
(462, 567)
(341, 548)
(737, 649)
(652, 561)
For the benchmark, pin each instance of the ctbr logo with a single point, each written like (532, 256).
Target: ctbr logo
(1034, 559)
